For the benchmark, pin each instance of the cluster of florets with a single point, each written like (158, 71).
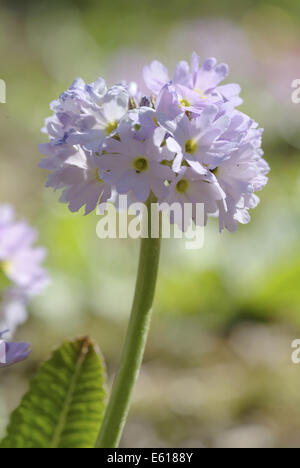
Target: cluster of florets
(185, 143)
(21, 272)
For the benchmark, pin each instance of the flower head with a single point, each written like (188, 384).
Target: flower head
(188, 142)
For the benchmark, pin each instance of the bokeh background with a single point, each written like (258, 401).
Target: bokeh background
(218, 370)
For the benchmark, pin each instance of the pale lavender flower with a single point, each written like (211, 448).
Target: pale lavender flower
(191, 187)
(135, 165)
(102, 121)
(237, 165)
(56, 155)
(156, 76)
(198, 141)
(72, 109)
(85, 114)
(142, 122)
(225, 142)
(240, 176)
(11, 353)
(197, 85)
(21, 273)
(80, 178)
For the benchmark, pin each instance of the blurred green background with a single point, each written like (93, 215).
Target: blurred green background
(218, 370)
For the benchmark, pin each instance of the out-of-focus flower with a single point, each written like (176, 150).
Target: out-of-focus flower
(11, 353)
(21, 273)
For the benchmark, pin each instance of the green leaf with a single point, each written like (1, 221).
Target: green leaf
(65, 403)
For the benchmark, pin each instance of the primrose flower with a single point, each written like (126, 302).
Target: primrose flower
(244, 173)
(187, 143)
(21, 273)
(189, 187)
(11, 353)
(86, 113)
(81, 179)
(105, 119)
(72, 109)
(131, 164)
(197, 85)
(198, 141)
(143, 122)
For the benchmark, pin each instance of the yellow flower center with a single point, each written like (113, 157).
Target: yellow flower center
(190, 146)
(184, 102)
(140, 164)
(111, 126)
(182, 186)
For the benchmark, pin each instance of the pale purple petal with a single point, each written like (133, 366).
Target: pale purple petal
(156, 76)
(11, 353)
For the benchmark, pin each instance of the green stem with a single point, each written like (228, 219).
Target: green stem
(137, 333)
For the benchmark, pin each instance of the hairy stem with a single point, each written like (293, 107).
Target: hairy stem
(137, 333)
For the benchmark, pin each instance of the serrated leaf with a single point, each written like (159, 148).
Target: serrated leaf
(65, 402)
